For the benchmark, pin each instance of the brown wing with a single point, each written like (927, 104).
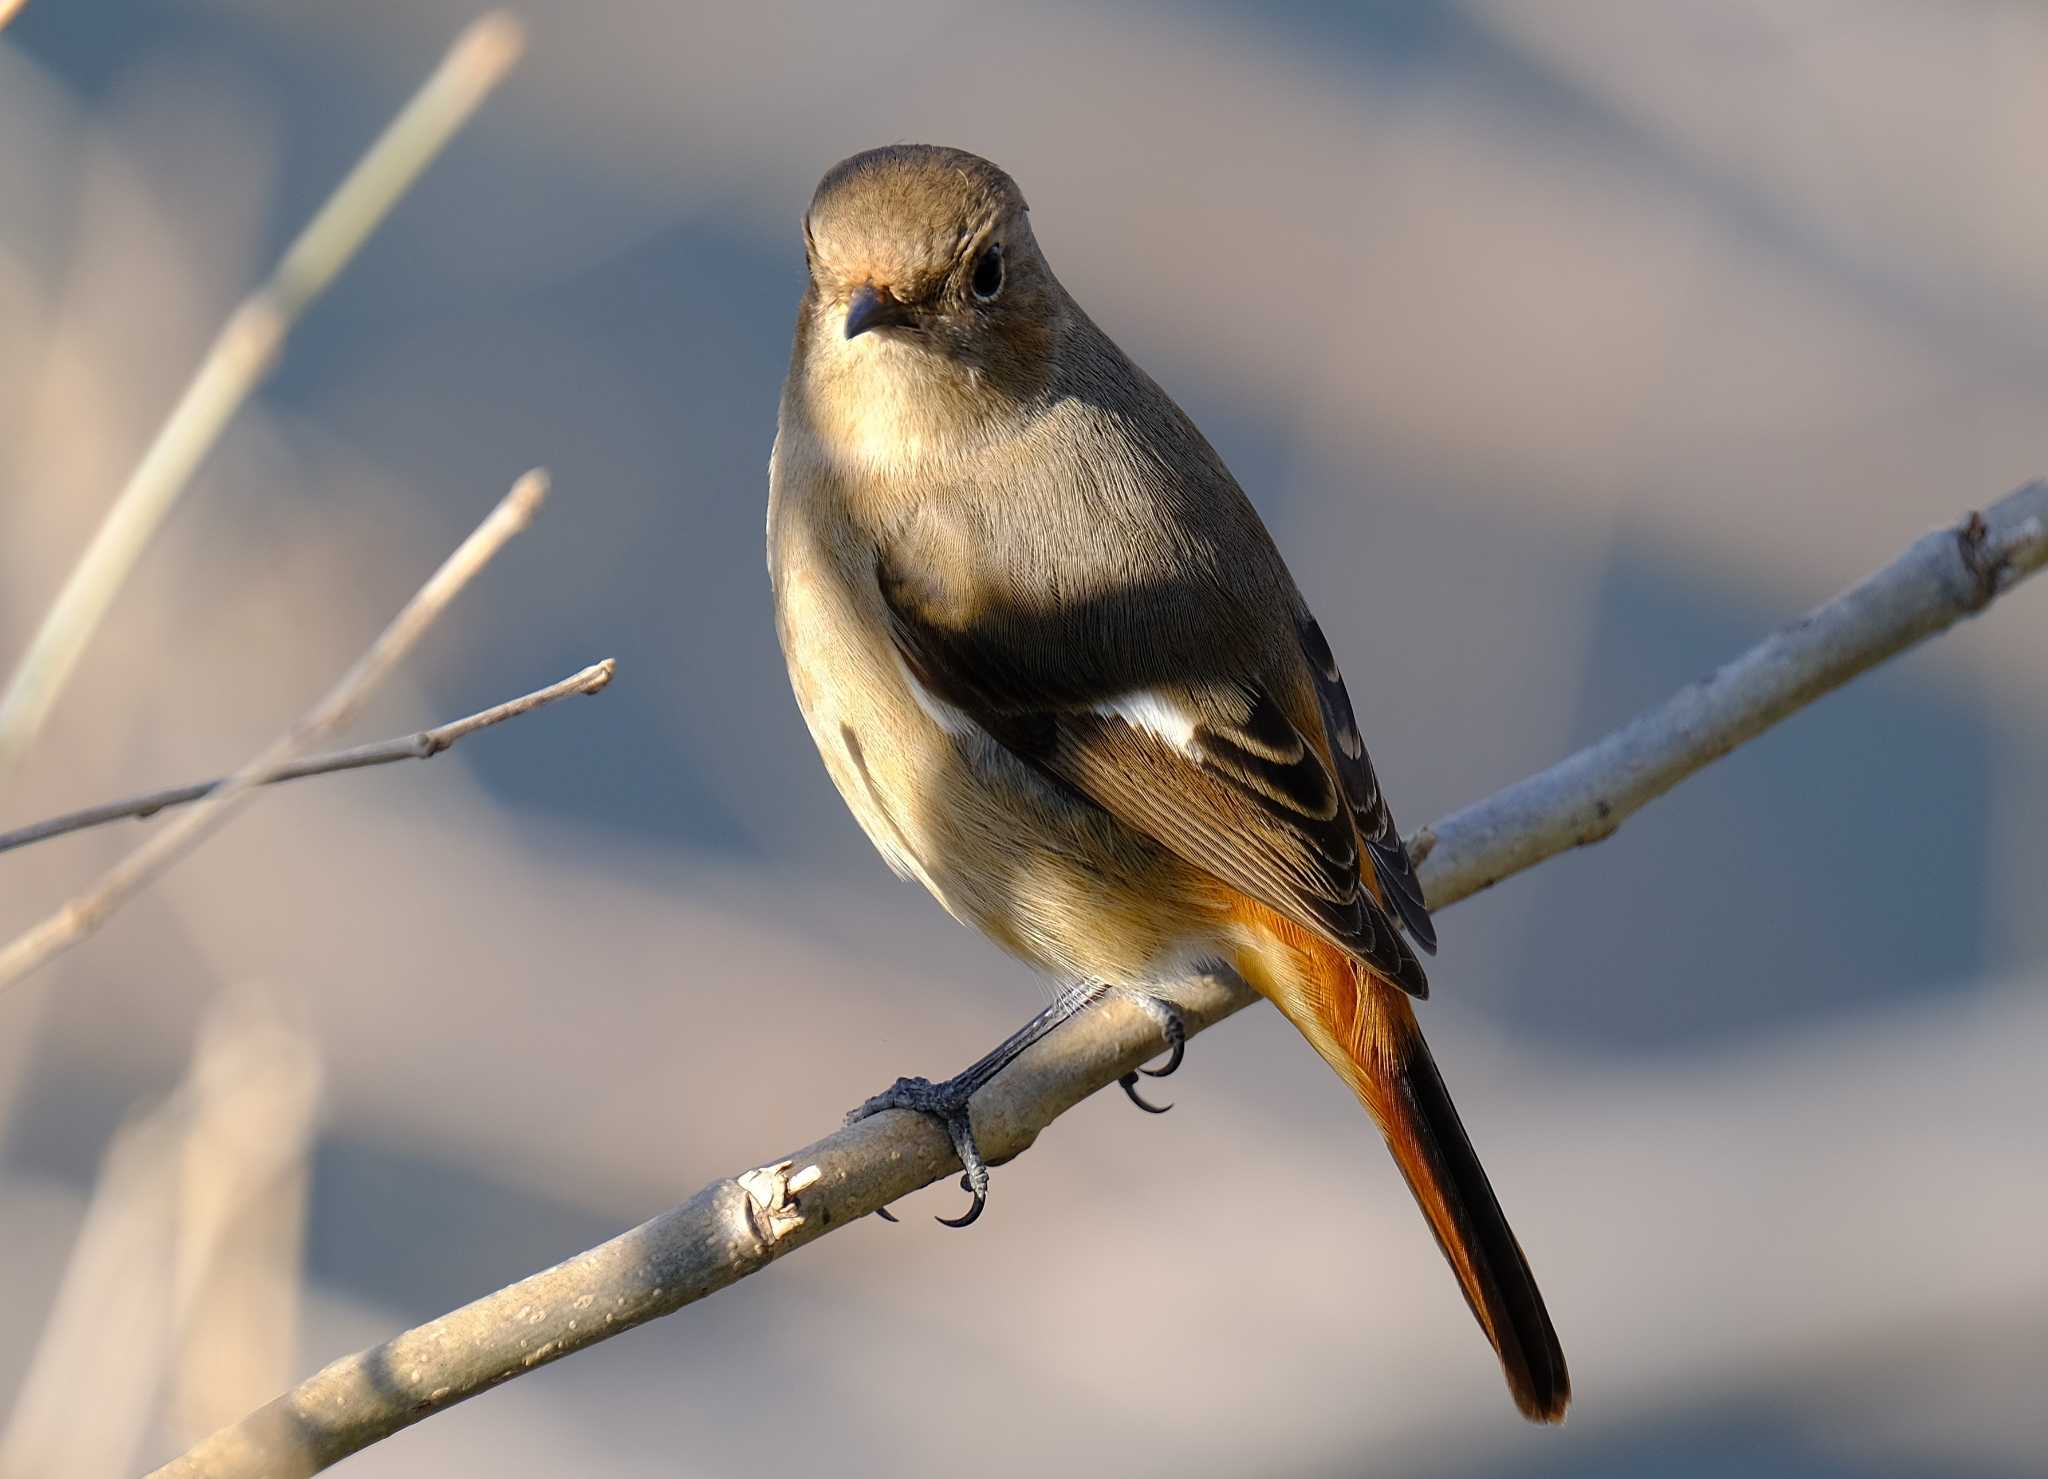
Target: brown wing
(1375, 822)
(1241, 794)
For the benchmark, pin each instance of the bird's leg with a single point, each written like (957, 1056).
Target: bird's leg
(947, 1102)
(1176, 1034)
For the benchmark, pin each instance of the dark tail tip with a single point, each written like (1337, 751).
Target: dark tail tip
(1540, 1383)
(1501, 1289)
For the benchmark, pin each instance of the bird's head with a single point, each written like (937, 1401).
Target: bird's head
(923, 268)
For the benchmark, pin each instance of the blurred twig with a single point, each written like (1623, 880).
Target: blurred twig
(84, 913)
(241, 355)
(734, 1227)
(244, 1177)
(189, 1249)
(421, 746)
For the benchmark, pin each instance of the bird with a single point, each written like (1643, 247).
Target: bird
(1062, 677)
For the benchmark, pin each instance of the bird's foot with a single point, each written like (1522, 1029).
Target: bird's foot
(946, 1103)
(1176, 1034)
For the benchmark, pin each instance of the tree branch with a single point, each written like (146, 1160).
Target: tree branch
(734, 1227)
(241, 355)
(84, 913)
(1944, 577)
(424, 745)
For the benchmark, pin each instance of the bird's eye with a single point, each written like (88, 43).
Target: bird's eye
(988, 274)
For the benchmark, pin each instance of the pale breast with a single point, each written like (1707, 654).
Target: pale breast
(873, 738)
(1044, 873)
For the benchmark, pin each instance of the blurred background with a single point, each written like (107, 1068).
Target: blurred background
(1567, 350)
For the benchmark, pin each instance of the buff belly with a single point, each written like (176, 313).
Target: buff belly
(1047, 875)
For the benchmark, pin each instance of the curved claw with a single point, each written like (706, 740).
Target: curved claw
(980, 1195)
(1129, 1084)
(1173, 1060)
(947, 1103)
(973, 1170)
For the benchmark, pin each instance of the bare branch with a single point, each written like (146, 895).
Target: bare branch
(83, 914)
(1944, 577)
(424, 745)
(241, 355)
(734, 1227)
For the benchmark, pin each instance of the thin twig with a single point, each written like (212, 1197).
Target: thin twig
(241, 355)
(83, 914)
(424, 745)
(737, 1226)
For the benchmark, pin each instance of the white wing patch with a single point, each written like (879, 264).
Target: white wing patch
(1157, 715)
(1143, 709)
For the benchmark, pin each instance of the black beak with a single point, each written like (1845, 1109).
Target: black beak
(873, 308)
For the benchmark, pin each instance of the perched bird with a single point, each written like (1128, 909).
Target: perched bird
(1062, 677)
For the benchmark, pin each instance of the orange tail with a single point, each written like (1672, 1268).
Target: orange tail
(1366, 1031)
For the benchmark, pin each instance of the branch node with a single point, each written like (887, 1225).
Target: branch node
(771, 1198)
(1982, 563)
(1603, 826)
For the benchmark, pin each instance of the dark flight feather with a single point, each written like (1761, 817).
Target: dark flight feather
(1390, 861)
(1253, 805)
